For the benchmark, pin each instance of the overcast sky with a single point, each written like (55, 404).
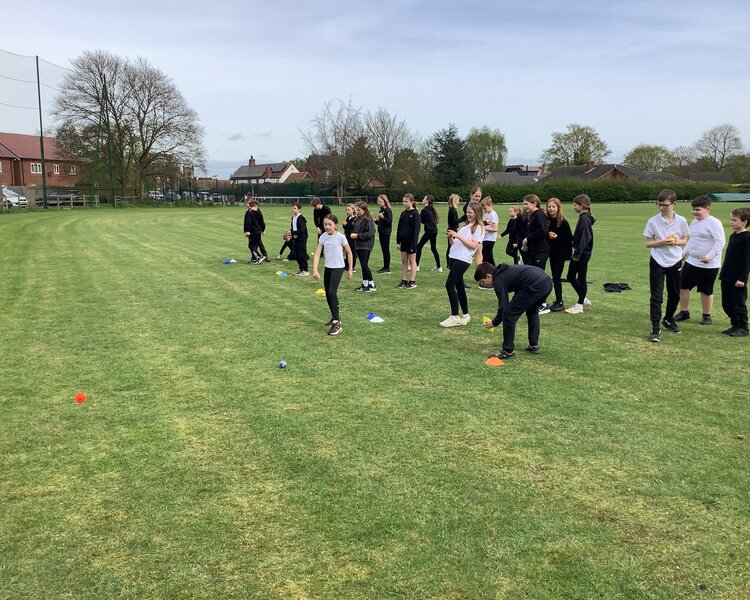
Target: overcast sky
(657, 72)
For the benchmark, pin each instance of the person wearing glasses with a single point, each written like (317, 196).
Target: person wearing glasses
(666, 234)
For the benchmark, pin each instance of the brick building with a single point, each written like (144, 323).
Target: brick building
(21, 162)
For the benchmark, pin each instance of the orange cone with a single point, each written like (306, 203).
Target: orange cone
(494, 361)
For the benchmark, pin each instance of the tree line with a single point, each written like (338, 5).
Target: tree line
(127, 118)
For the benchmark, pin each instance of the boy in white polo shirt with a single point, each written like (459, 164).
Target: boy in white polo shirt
(666, 234)
(702, 259)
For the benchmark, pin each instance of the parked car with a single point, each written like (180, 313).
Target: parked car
(218, 198)
(171, 195)
(155, 195)
(11, 198)
(56, 197)
(203, 196)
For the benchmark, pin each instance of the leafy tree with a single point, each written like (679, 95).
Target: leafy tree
(150, 123)
(739, 166)
(451, 162)
(576, 146)
(487, 150)
(361, 161)
(332, 134)
(645, 157)
(719, 143)
(387, 138)
(682, 161)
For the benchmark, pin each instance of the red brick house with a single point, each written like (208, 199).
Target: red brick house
(21, 162)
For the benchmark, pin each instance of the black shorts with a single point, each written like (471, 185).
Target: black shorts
(697, 277)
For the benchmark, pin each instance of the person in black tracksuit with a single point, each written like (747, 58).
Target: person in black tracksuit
(511, 248)
(453, 223)
(530, 286)
(734, 273)
(521, 226)
(430, 220)
(363, 237)
(407, 235)
(320, 212)
(351, 217)
(536, 240)
(583, 246)
(299, 235)
(384, 220)
(253, 227)
(476, 195)
(560, 248)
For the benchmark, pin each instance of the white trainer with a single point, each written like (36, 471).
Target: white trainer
(466, 319)
(576, 309)
(452, 321)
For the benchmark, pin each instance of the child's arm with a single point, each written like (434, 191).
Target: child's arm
(316, 260)
(350, 258)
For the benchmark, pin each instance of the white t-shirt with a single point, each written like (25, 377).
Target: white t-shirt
(706, 239)
(333, 249)
(490, 236)
(657, 228)
(459, 251)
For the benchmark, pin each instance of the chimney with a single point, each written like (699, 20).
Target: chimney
(269, 173)
(589, 165)
(251, 162)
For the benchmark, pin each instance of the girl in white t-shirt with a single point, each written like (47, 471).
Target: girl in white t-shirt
(466, 242)
(334, 245)
(490, 221)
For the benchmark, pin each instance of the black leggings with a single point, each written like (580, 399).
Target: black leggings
(300, 251)
(432, 238)
(577, 272)
(364, 259)
(331, 280)
(557, 266)
(488, 251)
(454, 285)
(385, 246)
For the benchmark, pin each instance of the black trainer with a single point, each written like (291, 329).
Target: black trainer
(402, 284)
(705, 320)
(410, 285)
(671, 325)
(738, 332)
(655, 336)
(683, 315)
(505, 354)
(384, 271)
(533, 349)
(335, 329)
(728, 331)
(557, 306)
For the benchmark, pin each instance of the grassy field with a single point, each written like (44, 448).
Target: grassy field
(387, 462)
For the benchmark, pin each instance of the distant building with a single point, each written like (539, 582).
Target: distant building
(21, 162)
(517, 175)
(253, 173)
(593, 172)
(723, 177)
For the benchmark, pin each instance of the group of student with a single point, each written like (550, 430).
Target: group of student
(535, 236)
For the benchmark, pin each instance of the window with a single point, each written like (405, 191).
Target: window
(36, 167)
(56, 169)
(1, 166)
(72, 170)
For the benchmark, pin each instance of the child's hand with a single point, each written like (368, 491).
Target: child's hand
(353, 236)
(349, 274)
(247, 234)
(552, 235)
(398, 246)
(316, 275)
(704, 260)
(739, 284)
(489, 325)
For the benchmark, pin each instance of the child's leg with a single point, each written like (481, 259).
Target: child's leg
(420, 245)
(656, 274)
(463, 300)
(404, 263)
(385, 246)
(412, 258)
(433, 247)
(583, 269)
(331, 280)
(573, 268)
(364, 264)
(452, 283)
(556, 267)
(488, 252)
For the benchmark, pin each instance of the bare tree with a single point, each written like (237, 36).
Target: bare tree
(149, 120)
(719, 143)
(683, 159)
(333, 132)
(388, 138)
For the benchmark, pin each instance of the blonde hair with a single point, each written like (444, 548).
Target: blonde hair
(487, 201)
(454, 200)
(477, 208)
(384, 198)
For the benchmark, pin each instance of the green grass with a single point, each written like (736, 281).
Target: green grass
(388, 462)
